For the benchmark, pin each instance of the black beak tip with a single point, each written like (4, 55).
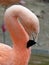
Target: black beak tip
(30, 43)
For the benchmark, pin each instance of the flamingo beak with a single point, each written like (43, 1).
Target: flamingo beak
(30, 43)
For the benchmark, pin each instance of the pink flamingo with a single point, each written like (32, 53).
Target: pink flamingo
(20, 22)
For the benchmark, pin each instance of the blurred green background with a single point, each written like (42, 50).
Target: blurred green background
(40, 51)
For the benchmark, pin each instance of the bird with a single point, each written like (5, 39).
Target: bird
(20, 23)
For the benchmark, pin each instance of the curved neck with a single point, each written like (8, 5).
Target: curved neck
(17, 32)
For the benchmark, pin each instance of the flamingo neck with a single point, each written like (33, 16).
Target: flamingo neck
(17, 32)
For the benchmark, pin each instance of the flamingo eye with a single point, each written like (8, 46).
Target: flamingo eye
(30, 43)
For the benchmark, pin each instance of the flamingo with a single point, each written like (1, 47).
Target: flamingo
(20, 22)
